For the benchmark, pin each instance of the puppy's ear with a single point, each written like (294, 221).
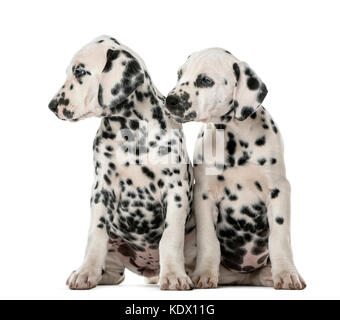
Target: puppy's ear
(120, 77)
(249, 92)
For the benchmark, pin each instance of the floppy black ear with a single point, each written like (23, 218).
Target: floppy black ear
(249, 93)
(120, 77)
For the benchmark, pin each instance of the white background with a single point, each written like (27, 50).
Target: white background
(46, 164)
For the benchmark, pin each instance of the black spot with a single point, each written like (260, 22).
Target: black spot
(253, 116)
(157, 114)
(134, 124)
(262, 161)
(280, 220)
(111, 55)
(112, 166)
(248, 237)
(139, 96)
(178, 198)
(132, 68)
(243, 160)
(220, 178)
(148, 173)
(258, 185)
(115, 41)
(275, 193)
(160, 183)
(246, 112)
(237, 71)
(107, 179)
(152, 188)
(262, 94)
(233, 197)
(231, 147)
(273, 161)
(253, 83)
(246, 210)
(68, 114)
(244, 144)
(261, 141)
(204, 196)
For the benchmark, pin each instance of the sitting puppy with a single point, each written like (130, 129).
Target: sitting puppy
(141, 198)
(242, 197)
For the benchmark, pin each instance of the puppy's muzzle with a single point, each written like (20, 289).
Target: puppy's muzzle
(172, 102)
(53, 106)
(175, 106)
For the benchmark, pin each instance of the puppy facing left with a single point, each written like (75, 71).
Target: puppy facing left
(142, 193)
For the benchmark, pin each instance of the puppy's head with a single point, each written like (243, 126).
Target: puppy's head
(213, 84)
(100, 77)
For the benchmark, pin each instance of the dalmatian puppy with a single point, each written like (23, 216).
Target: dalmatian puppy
(242, 195)
(143, 189)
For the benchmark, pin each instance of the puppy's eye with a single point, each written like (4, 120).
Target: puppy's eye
(79, 72)
(207, 81)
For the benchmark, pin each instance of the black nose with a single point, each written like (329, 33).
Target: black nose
(172, 101)
(53, 106)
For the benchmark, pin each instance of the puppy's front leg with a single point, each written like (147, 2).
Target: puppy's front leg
(90, 273)
(171, 247)
(285, 274)
(206, 274)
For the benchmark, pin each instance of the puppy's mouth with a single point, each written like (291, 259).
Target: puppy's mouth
(205, 120)
(86, 115)
(173, 116)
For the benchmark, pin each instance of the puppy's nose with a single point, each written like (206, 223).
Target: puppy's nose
(172, 101)
(53, 106)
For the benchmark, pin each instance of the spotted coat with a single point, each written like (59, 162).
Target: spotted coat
(242, 195)
(143, 190)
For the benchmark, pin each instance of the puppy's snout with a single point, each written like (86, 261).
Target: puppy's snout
(172, 101)
(53, 106)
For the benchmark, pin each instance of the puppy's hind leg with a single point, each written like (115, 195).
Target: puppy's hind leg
(113, 274)
(259, 278)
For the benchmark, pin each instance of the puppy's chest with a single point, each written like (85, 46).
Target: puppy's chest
(246, 145)
(242, 223)
(241, 192)
(136, 213)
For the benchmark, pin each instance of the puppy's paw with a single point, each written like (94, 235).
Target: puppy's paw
(84, 279)
(288, 280)
(205, 280)
(173, 281)
(153, 280)
(265, 277)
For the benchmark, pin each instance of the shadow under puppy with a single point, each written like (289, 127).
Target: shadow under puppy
(143, 189)
(242, 195)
